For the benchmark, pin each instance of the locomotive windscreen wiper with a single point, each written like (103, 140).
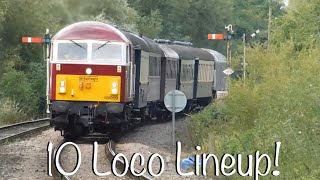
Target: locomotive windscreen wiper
(102, 45)
(78, 44)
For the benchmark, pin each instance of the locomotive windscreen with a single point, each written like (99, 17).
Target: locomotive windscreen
(72, 51)
(103, 52)
(91, 51)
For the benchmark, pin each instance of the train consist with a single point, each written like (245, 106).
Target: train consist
(102, 79)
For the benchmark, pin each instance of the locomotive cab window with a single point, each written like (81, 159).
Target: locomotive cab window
(72, 51)
(88, 51)
(104, 51)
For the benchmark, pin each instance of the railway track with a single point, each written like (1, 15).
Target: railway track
(111, 152)
(13, 131)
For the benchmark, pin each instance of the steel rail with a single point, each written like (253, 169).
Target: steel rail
(10, 132)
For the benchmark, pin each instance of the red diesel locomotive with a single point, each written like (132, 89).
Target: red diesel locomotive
(91, 78)
(103, 79)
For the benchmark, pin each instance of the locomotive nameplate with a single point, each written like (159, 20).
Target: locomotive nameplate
(89, 78)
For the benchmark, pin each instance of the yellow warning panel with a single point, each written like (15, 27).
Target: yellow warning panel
(88, 88)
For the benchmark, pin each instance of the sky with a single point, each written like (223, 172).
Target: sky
(286, 2)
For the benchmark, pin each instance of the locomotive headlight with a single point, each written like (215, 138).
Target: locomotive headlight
(114, 88)
(114, 85)
(62, 83)
(62, 90)
(88, 71)
(114, 91)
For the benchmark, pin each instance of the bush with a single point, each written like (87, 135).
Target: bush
(279, 101)
(15, 87)
(10, 112)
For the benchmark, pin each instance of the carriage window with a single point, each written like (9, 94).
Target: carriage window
(72, 51)
(190, 72)
(201, 73)
(171, 70)
(102, 52)
(168, 70)
(154, 66)
(187, 72)
(206, 72)
(183, 73)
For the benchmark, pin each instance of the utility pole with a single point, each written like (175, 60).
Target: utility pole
(229, 51)
(269, 24)
(246, 39)
(244, 56)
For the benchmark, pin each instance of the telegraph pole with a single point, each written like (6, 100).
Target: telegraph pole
(246, 39)
(244, 55)
(269, 24)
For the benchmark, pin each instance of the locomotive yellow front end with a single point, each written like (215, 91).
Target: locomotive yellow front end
(91, 82)
(88, 88)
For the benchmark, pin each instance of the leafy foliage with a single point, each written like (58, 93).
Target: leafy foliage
(18, 89)
(22, 69)
(188, 20)
(10, 112)
(109, 11)
(278, 101)
(151, 25)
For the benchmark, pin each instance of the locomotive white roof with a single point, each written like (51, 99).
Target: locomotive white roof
(90, 30)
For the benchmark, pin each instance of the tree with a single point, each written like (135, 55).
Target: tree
(250, 15)
(109, 11)
(20, 18)
(300, 25)
(15, 85)
(151, 25)
(187, 20)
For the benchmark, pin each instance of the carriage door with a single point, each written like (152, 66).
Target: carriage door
(130, 73)
(141, 79)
